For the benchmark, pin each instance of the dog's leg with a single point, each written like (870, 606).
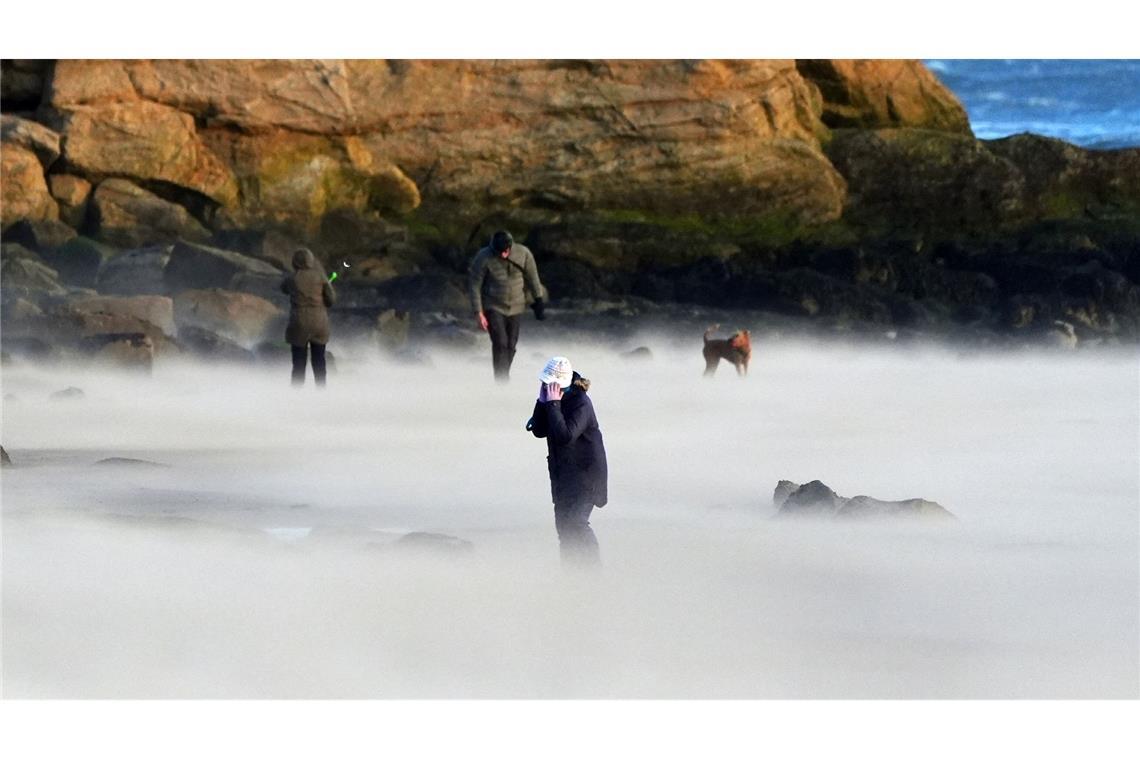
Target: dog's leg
(711, 360)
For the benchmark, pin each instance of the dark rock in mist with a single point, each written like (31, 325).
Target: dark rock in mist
(812, 498)
(135, 272)
(243, 318)
(79, 260)
(641, 353)
(815, 499)
(4, 458)
(68, 393)
(209, 345)
(392, 329)
(193, 266)
(426, 293)
(39, 235)
(128, 462)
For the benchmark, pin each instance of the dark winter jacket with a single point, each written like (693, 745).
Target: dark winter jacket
(309, 293)
(504, 285)
(576, 456)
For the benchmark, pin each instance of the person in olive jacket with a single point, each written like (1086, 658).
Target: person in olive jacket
(501, 277)
(310, 294)
(576, 458)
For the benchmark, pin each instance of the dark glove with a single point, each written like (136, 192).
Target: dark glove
(539, 307)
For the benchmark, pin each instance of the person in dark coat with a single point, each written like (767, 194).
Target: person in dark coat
(501, 281)
(310, 294)
(576, 458)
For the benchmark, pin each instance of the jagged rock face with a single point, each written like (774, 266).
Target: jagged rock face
(299, 138)
(875, 93)
(923, 179)
(288, 142)
(926, 179)
(1066, 181)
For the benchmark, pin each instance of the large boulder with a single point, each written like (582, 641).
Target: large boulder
(243, 318)
(271, 246)
(89, 328)
(194, 266)
(155, 310)
(1064, 181)
(135, 351)
(27, 275)
(924, 179)
(815, 499)
(210, 346)
(23, 187)
(130, 217)
(39, 235)
(267, 286)
(30, 135)
(875, 93)
(143, 141)
(79, 260)
(136, 272)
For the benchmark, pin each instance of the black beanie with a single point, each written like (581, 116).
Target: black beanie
(501, 241)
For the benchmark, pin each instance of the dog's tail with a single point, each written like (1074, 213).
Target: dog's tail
(710, 331)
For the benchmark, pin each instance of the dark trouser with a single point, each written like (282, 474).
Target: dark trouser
(576, 540)
(300, 355)
(504, 333)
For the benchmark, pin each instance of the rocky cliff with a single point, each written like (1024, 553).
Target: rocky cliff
(657, 179)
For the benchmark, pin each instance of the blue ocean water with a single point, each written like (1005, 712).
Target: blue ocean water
(1092, 103)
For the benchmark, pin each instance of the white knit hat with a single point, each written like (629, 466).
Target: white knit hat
(557, 370)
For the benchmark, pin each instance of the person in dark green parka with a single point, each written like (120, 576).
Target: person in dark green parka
(310, 294)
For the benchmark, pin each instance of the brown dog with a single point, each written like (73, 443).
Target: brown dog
(736, 350)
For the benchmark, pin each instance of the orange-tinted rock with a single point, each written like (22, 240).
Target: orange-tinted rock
(128, 216)
(71, 193)
(32, 136)
(155, 310)
(23, 187)
(306, 137)
(69, 190)
(241, 317)
(144, 141)
(876, 93)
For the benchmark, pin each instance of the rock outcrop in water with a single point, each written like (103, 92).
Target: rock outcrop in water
(850, 195)
(815, 499)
